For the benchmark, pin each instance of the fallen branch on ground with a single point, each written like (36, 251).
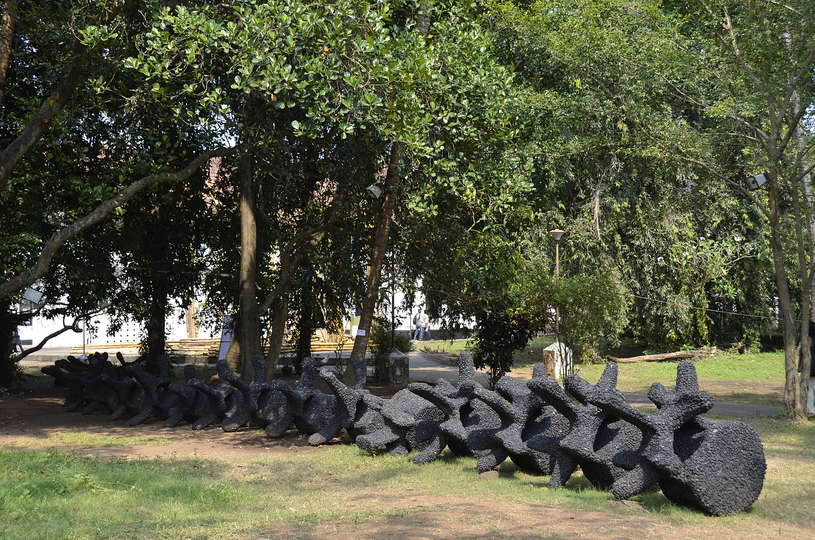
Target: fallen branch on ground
(678, 355)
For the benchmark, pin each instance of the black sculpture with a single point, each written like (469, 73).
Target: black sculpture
(529, 427)
(398, 425)
(469, 424)
(594, 437)
(715, 466)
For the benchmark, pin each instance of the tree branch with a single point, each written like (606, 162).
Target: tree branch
(65, 327)
(41, 119)
(48, 109)
(46, 339)
(60, 237)
(292, 253)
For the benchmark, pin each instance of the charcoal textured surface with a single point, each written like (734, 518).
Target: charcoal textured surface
(398, 425)
(469, 424)
(593, 437)
(523, 416)
(715, 466)
(712, 465)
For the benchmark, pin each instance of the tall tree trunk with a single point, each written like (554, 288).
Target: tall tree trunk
(306, 326)
(392, 178)
(788, 320)
(156, 327)
(281, 315)
(250, 328)
(808, 272)
(380, 245)
(6, 40)
(190, 320)
(8, 366)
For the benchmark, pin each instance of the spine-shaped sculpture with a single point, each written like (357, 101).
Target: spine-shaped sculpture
(713, 465)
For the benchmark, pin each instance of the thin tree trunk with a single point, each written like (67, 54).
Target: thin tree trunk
(190, 319)
(8, 365)
(808, 272)
(306, 326)
(788, 319)
(156, 327)
(380, 245)
(250, 328)
(392, 178)
(6, 40)
(281, 315)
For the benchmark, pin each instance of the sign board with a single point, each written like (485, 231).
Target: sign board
(226, 337)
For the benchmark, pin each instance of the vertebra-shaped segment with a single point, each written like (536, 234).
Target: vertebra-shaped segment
(606, 438)
(523, 416)
(469, 424)
(450, 406)
(314, 413)
(675, 409)
(275, 410)
(658, 429)
(243, 399)
(368, 426)
(466, 372)
(215, 404)
(563, 463)
(593, 437)
(149, 384)
(716, 466)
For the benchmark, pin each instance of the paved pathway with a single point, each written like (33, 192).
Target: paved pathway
(424, 368)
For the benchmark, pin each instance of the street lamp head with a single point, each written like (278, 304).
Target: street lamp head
(375, 190)
(556, 234)
(757, 181)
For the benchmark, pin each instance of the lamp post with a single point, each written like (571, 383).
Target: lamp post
(556, 234)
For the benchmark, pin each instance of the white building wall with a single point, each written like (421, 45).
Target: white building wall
(130, 332)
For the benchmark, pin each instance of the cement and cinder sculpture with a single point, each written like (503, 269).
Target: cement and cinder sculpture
(398, 425)
(593, 437)
(715, 466)
(469, 424)
(530, 429)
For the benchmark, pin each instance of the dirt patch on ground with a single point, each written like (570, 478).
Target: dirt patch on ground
(452, 517)
(35, 417)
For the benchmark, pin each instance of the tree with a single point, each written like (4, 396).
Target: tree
(349, 69)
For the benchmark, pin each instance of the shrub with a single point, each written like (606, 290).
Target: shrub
(497, 336)
(380, 339)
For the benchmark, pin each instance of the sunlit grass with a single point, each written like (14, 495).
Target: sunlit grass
(81, 439)
(758, 367)
(747, 378)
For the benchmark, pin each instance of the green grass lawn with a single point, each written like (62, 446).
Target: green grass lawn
(458, 345)
(441, 345)
(53, 494)
(757, 367)
(747, 378)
